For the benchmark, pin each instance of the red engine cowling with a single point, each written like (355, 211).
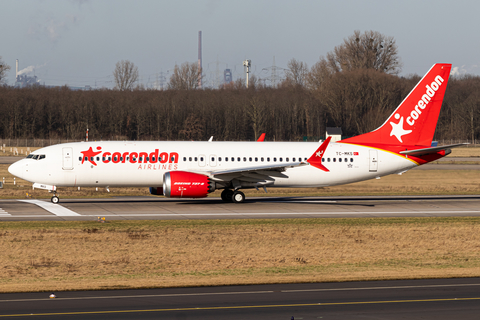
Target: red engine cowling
(182, 184)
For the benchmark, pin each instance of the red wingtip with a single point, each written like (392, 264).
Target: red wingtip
(262, 137)
(316, 158)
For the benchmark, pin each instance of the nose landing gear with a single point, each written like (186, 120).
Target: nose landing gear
(55, 199)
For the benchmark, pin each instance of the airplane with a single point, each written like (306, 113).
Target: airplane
(189, 169)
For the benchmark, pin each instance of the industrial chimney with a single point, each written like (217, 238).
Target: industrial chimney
(200, 59)
(16, 71)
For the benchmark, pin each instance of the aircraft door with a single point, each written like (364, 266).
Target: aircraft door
(202, 160)
(373, 160)
(213, 160)
(67, 156)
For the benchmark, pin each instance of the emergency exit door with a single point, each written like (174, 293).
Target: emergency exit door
(373, 160)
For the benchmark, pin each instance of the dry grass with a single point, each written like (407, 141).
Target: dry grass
(39, 256)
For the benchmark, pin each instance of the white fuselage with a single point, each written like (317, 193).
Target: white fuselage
(117, 164)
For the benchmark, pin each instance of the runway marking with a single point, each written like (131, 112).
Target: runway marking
(249, 292)
(240, 307)
(56, 209)
(4, 213)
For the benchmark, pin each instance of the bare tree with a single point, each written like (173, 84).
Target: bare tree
(125, 75)
(3, 71)
(185, 77)
(296, 73)
(370, 50)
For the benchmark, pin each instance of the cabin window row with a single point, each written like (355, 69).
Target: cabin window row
(245, 159)
(335, 160)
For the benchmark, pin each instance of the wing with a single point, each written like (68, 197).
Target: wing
(264, 175)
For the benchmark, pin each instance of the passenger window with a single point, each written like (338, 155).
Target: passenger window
(226, 158)
(334, 159)
(219, 158)
(293, 159)
(339, 159)
(286, 159)
(189, 158)
(261, 159)
(98, 158)
(323, 159)
(238, 159)
(268, 159)
(346, 160)
(250, 159)
(281, 159)
(328, 159)
(351, 159)
(275, 159)
(31, 155)
(201, 158)
(184, 158)
(233, 159)
(256, 159)
(172, 159)
(244, 159)
(196, 159)
(213, 159)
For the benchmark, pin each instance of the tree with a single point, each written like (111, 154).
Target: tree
(296, 73)
(184, 77)
(370, 50)
(3, 71)
(125, 75)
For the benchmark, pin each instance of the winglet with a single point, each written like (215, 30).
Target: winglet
(316, 158)
(262, 137)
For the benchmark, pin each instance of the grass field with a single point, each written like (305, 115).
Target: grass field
(54, 256)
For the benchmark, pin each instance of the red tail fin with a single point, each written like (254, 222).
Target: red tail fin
(415, 119)
(262, 137)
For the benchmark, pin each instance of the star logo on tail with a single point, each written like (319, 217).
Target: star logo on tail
(397, 129)
(89, 154)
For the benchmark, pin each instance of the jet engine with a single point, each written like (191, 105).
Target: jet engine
(182, 184)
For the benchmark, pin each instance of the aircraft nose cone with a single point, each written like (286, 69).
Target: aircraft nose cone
(16, 169)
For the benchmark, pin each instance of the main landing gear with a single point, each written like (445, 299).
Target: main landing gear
(233, 196)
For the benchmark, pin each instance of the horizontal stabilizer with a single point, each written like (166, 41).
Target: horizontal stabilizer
(425, 151)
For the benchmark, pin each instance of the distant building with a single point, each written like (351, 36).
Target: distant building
(23, 81)
(227, 76)
(335, 133)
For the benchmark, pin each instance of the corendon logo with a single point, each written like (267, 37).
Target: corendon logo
(422, 103)
(151, 160)
(397, 128)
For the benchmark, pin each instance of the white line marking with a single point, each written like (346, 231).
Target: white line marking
(249, 292)
(4, 213)
(56, 209)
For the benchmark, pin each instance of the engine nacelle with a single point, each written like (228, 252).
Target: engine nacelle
(156, 191)
(182, 184)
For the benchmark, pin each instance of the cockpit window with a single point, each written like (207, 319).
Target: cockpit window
(36, 156)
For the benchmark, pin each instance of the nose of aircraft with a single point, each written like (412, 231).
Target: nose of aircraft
(16, 169)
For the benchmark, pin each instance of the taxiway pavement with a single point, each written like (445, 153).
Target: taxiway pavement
(153, 208)
(403, 299)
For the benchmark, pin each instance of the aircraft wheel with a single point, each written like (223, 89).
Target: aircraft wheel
(227, 195)
(55, 199)
(238, 197)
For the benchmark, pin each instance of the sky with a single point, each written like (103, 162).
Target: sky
(78, 42)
